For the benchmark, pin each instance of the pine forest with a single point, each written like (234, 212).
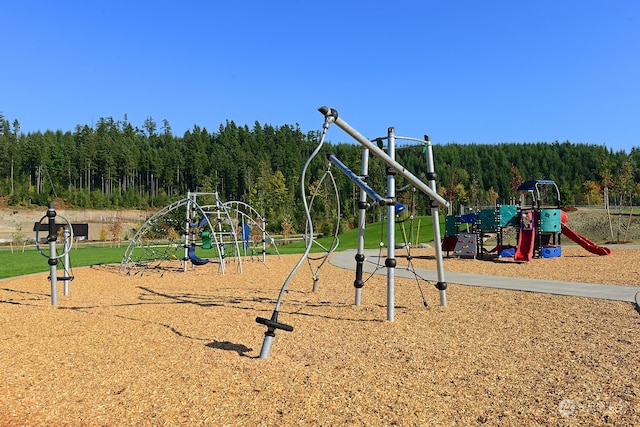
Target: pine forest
(115, 165)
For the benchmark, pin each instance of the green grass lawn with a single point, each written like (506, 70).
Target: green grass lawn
(19, 261)
(374, 233)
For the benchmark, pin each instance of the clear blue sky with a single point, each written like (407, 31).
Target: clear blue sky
(460, 71)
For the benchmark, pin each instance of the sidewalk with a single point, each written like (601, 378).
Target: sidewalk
(345, 259)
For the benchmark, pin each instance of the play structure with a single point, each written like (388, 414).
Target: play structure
(538, 220)
(198, 224)
(51, 253)
(388, 201)
(252, 229)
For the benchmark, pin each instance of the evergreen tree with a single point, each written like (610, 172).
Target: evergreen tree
(116, 164)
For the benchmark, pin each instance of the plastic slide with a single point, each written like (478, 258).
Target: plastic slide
(526, 238)
(584, 242)
(524, 251)
(195, 259)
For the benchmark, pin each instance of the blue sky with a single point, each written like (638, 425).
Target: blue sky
(459, 71)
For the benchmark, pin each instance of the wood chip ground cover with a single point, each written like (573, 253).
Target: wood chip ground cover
(181, 349)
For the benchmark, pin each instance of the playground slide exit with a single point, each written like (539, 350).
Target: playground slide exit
(584, 242)
(526, 237)
(524, 250)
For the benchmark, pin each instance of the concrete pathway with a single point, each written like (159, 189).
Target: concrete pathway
(345, 259)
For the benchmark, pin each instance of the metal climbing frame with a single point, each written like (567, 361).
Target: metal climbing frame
(145, 247)
(222, 236)
(331, 115)
(242, 213)
(223, 220)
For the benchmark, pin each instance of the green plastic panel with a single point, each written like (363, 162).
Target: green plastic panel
(450, 228)
(508, 215)
(487, 219)
(550, 220)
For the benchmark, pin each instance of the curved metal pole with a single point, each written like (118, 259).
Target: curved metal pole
(336, 241)
(273, 323)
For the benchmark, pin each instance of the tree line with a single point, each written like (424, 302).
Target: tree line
(115, 164)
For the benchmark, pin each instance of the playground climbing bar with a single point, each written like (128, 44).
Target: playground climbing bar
(359, 182)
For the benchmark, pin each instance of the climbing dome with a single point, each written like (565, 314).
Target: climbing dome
(182, 232)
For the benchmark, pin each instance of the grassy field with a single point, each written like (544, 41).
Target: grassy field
(374, 233)
(592, 223)
(18, 261)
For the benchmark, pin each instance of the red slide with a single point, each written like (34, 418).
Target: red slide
(584, 242)
(526, 238)
(524, 251)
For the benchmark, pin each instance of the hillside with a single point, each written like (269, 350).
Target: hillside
(18, 224)
(594, 224)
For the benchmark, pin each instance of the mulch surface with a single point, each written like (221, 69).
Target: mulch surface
(181, 348)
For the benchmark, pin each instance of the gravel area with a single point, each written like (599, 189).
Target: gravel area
(175, 348)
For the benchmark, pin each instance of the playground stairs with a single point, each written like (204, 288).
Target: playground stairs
(466, 246)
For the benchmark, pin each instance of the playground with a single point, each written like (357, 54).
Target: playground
(167, 337)
(538, 220)
(182, 348)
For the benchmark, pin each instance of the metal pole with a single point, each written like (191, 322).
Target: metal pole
(53, 260)
(362, 218)
(390, 262)
(66, 234)
(273, 324)
(264, 240)
(221, 251)
(187, 229)
(441, 285)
